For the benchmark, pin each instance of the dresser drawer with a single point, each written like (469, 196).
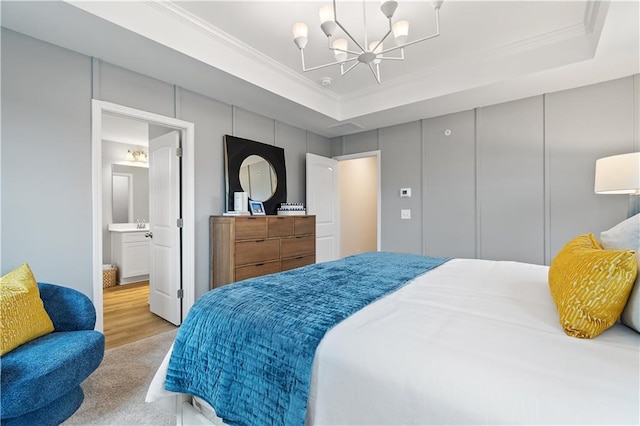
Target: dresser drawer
(298, 246)
(250, 228)
(250, 271)
(304, 225)
(257, 251)
(279, 226)
(297, 262)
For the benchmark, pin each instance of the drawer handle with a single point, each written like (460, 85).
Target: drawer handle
(149, 235)
(259, 241)
(300, 257)
(302, 236)
(259, 264)
(252, 218)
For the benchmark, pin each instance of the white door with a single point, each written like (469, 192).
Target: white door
(323, 201)
(164, 211)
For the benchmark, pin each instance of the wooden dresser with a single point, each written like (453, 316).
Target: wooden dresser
(242, 247)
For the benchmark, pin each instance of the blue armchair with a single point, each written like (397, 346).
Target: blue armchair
(40, 380)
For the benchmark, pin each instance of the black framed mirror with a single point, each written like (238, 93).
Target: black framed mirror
(257, 169)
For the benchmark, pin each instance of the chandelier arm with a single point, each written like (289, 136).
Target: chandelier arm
(343, 72)
(305, 69)
(377, 76)
(350, 36)
(345, 51)
(394, 58)
(391, 58)
(335, 19)
(434, 35)
(381, 40)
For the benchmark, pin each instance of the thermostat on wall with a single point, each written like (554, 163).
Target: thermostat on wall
(405, 192)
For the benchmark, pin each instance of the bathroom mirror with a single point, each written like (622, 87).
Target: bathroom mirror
(258, 178)
(255, 168)
(122, 191)
(129, 193)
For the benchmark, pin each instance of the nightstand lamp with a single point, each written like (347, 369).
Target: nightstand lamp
(620, 174)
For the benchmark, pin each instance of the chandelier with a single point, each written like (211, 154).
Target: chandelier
(365, 52)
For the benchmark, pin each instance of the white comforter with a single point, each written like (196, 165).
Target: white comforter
(471, 342)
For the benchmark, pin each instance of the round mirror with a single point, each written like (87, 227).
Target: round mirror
(258, 178)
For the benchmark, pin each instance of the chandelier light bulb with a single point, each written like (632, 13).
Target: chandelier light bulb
(376, 50)
(326, 14)
(327, 20)
(300, 32)
(341, 44)
(401, 31)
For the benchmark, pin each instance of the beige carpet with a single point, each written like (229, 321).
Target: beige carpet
(114, 393)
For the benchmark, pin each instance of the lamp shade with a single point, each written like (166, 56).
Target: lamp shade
(326, 13)
(341, 44)
(401, 31)
(618, 174)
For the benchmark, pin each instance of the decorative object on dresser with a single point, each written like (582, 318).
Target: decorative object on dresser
(244, 247)
(256, 208)
(257, 169)
(292, 209)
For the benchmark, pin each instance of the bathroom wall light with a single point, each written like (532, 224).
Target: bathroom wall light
(140, 156)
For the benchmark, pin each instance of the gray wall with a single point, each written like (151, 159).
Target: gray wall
(46, 154)
(512, 181)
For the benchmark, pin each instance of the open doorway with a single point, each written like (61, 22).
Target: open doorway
(358, 205)
(169, 238)
(132, 300)
(361, 190)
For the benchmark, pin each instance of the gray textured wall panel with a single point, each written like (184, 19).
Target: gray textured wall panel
(449, 220)
(252, 126)
(401, 166)
(124, 87)
(318, 145)
(582, 125)
(293, 141)
(46, 161)
(360, 142)
(511, 181)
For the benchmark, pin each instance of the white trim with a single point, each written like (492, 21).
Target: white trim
(378, 155)
(188, 198)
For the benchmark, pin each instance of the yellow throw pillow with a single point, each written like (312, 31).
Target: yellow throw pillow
(590, 285)
(22, 314)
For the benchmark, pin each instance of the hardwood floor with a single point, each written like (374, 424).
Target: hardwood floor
(127, 317)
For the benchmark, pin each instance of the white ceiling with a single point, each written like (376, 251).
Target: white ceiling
(242, 53)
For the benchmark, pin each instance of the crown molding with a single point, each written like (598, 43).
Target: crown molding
(186, 18)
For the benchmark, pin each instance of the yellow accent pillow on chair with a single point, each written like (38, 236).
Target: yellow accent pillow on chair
(590, 285)
(22, 314)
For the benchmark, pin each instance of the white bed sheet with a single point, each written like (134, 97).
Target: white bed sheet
(470, 342)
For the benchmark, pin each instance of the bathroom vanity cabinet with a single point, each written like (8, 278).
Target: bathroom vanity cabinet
(130, 252)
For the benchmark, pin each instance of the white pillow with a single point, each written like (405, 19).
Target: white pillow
(626, 235)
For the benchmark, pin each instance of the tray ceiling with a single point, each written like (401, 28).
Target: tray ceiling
(242, 52)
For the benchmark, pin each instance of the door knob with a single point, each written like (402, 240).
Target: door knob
(149, 235)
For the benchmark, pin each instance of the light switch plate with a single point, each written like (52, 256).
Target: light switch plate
(405, 214)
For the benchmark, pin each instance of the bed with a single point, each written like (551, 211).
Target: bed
(466, 342)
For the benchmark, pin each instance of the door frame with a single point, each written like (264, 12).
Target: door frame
(377, 154)
(187, 198)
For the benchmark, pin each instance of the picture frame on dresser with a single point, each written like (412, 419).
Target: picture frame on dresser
(256, 208)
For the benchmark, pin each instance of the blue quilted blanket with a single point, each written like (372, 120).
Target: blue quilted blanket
(247, 348)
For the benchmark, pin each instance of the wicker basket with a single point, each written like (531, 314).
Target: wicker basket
(109, 277)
